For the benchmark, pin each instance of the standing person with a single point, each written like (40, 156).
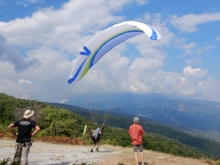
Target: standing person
(136, 132)
(96, 137)
(23, 140)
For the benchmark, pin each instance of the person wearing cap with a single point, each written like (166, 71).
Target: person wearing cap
(23, 135)
(136, 132)
(96, 137)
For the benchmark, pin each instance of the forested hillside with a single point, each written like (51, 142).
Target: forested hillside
(124, 120)
(63, 125)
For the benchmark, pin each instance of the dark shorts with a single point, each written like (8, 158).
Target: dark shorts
(95, 140)
(137, 148)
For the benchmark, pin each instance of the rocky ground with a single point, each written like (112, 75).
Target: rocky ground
(62, 154)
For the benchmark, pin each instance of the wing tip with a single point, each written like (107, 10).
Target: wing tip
(69, 81)
(155, 35)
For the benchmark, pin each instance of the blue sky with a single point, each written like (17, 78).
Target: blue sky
(39, 39)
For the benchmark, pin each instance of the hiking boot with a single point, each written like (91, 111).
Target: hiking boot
(97, 149)
(91, 150)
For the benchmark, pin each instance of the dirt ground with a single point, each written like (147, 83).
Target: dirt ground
(62, 154)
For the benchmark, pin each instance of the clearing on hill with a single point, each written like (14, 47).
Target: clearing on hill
(63, 154)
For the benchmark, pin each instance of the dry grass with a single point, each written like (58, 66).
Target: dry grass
(63, 140)
(151, 158)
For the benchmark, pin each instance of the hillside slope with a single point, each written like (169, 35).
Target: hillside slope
(122, 120)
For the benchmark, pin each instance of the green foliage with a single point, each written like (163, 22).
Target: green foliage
(7, 162)
(4, 162)
(6, 110)
(116, 137)
(162, 144)
(12, 108)
(60, 122)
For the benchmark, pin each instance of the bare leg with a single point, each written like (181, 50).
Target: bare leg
(94, 141)
(136, 157)
(97, 149)
(93, 147)
(142, 157)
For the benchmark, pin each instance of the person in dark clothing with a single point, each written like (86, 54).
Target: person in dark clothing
(23, 137)
(96, 137)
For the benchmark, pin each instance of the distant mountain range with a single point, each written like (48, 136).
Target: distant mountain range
(181, 113)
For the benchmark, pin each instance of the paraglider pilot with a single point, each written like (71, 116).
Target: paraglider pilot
(96, 137)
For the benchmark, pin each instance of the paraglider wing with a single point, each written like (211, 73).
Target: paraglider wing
(104, 41)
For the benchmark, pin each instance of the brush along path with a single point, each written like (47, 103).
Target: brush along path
(63, 154)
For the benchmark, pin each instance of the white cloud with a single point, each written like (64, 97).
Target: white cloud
(183, 81)
(26, 3)
(116, 5)
(142, 66)
(217, 38)
(34, 1)
(59, 28)
(189, 48)
(64, 100)
(49, 34)
(142, 2)
(22, 81)
(54, 36)
(188, 23)
(204, 49)
(192, 48)
(194, 61)
(194, 72)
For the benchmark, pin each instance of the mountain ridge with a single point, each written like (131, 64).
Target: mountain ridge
(184, 113)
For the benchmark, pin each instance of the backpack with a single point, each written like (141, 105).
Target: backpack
(96, 133)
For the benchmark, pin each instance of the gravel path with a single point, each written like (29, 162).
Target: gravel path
(58, 154)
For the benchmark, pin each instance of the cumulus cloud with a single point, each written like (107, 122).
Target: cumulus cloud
(194, 72)
(188, 23)
(12, 55)
(75, 21)
(54, 37)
